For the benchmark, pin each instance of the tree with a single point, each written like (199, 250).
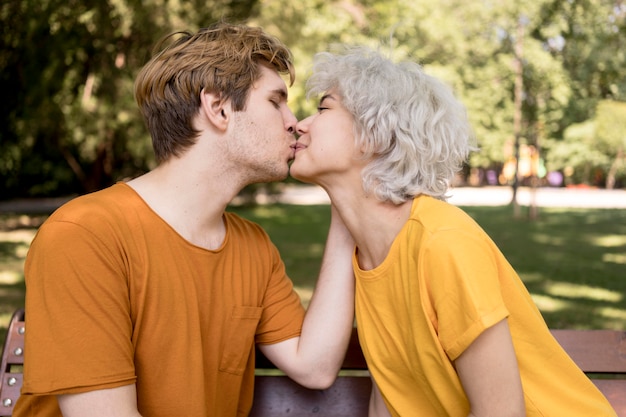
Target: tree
(576, 154)
(588, 37)
(70, 122)
(611, 137)
(594, 146)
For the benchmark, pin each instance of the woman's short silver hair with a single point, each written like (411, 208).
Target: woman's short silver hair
(408, 123)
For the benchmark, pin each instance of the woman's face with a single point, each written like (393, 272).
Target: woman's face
(326, 149)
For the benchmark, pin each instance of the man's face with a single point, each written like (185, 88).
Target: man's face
(262, 139)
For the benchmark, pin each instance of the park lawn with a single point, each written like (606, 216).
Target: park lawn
(573, 261)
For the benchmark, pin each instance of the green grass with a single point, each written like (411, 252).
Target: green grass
(573, 261)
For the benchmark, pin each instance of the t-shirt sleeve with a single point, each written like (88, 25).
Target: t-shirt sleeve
(77, 310)
(463, 288)
(283, 312)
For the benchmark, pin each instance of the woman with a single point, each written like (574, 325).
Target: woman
(446, 325)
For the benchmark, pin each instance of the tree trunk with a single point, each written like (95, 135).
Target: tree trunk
(610, 176)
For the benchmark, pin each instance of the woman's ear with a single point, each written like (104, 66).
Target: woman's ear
(216, 110)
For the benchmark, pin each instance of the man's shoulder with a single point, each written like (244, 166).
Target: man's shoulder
(242, 228)
(235, 219)
(108, 202)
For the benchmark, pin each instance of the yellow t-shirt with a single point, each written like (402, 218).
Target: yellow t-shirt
(114, 296)
(442, 284)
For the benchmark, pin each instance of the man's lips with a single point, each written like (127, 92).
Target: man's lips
(298, 146)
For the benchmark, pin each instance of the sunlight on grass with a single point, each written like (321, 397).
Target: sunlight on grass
(613, 313)
(269, 211)
(305, 294)
(10, 277)
(6, 318)
(616, 258)
(550, 304)
(610, 241)
(529, 277)
(25, 236)
(569, 290)
(315, 249)
(546, 239)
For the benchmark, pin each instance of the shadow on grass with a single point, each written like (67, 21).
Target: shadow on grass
(573, 262)
(12, 296)
(16, 232)
(9, 251)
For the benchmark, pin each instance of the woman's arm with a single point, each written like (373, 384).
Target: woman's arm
(314, 359)
(490, 375)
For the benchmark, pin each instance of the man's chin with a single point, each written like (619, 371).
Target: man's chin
(280, 176)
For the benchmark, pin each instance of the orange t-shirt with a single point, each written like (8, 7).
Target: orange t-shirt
(115, 296)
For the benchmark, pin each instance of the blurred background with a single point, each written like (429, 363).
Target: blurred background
(544, 80)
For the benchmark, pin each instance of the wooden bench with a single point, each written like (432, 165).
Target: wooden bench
(12, 363)
(600, 353)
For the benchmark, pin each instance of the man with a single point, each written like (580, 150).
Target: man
(146, 298)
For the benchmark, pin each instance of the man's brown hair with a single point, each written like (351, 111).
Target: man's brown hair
(222, 59)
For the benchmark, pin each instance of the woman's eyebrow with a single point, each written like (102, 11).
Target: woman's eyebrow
(326, 96)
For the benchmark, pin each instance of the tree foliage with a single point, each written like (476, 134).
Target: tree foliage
(68, 67)
(610, 123)
(70, 124)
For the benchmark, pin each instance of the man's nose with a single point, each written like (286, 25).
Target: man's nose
(290, 122)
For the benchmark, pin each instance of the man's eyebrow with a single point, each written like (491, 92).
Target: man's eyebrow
(280, 92)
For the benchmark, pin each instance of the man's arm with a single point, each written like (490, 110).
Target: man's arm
(111, 402)
(314, 358)
(490, 375)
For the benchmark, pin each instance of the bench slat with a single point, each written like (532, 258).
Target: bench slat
(615, 391)
(595, 351)
(279, 396)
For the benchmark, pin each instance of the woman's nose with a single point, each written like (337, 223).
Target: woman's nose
(303, 125)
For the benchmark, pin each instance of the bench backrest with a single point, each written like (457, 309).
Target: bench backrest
(599, 353)
(12, 364)
(602, 355)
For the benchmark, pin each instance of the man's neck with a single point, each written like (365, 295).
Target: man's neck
(190, 204)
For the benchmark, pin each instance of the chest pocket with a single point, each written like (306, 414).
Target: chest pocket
(238, 341)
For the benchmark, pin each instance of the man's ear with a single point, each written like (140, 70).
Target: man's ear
(215, 108)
